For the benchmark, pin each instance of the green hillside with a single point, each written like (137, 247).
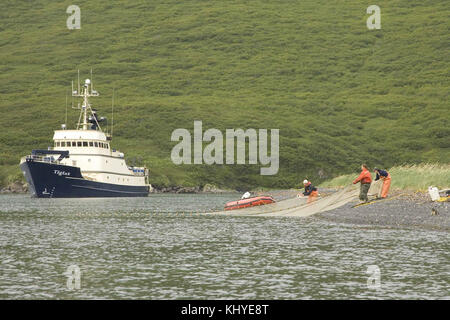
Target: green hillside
(339, 93)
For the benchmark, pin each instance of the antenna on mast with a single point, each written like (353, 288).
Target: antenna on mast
(85, 109)
(65, 122)
(112, 114)
(72, 94)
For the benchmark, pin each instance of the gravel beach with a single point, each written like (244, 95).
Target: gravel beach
(400, 210)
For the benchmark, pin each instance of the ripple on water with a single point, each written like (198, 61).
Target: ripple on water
(140, 249)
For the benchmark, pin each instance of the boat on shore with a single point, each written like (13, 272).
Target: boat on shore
(82, 162)
(249, 202)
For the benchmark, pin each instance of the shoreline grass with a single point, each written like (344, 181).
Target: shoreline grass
(406, 177)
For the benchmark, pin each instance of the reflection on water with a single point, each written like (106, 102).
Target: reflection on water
(149, 249)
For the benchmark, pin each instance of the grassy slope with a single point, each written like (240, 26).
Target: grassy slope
(413, 177)
(339, 93)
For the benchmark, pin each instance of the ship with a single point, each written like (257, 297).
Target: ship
(82, 162)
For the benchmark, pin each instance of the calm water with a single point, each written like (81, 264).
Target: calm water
(147, 249)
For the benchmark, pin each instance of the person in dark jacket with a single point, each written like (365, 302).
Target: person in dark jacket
(365, 178)
(310, 191)
(386, 178)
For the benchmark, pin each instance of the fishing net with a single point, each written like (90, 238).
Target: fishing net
(297, 207)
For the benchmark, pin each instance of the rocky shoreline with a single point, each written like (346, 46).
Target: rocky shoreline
(15, 187)
(20, 187)
(402, 209)
(207, 188)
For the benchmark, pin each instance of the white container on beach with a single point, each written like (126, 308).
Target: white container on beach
(434, 193)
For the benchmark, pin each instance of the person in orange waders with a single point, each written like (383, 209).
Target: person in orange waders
(386, 177)
(365, 178)
(310, 191)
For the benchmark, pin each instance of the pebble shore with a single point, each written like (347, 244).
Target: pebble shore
(399, 210)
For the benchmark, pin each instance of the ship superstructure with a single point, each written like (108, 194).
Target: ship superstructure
(82, 162)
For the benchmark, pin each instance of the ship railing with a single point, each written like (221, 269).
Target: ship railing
(47, 155)
(40, 158)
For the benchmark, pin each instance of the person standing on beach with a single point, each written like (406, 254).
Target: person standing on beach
(365, 178)
(386, 177)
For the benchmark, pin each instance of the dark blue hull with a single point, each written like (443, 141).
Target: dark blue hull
(50, 180)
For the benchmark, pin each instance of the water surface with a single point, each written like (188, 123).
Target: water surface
(157, 248)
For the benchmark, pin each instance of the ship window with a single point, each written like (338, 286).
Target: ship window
(91, 144)
(107, 146)
(96, 144)
(63, 144)
(57, 143)
(79, 143)
(85, 144)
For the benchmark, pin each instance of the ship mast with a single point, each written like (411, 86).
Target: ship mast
(85, 92)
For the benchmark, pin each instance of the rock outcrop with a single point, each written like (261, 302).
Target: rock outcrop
(207, 188)
(15, 187)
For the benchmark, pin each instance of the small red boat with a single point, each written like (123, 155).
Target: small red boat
(249, 202)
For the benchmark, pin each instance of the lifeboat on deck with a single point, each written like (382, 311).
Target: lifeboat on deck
(249, 202)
